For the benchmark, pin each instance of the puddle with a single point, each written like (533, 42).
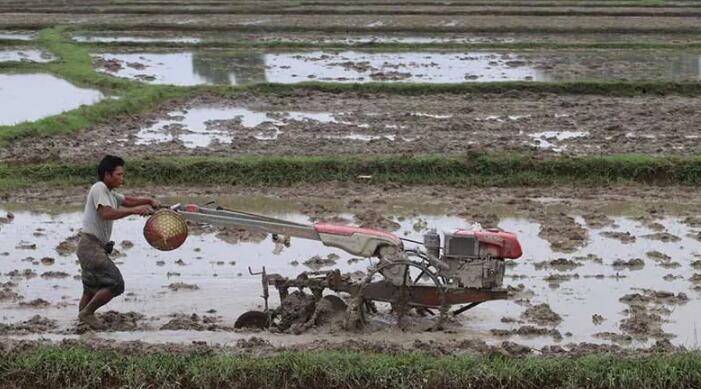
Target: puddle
(28, 97)
(25, 55)
(190, 68)
(135, 39)
(16, 36)
(220, 269)
(200, 126)
(546, 139)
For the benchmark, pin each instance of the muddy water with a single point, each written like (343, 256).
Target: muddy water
(21, 101)
(131, 38)
(220, 269)
(25, 55)
(190, 68)
(16, 36)
(200, 126)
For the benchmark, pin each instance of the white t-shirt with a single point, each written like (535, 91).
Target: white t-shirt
(93, 223)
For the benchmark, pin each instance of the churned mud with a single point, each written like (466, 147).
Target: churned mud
(315, 123)
(575, 283)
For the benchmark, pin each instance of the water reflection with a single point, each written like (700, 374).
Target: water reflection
(26, 97)
(230, 68)
(220, 270)
(192, 68)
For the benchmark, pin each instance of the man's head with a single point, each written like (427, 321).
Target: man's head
(111, 171)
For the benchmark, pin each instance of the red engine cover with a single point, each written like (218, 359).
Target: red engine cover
(497, 243)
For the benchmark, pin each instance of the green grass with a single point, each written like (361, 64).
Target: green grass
(472, 170)
(52, 366)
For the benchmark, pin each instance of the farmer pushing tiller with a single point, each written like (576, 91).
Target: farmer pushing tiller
(464, 267)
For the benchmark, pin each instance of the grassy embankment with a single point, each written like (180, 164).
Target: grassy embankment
(479, 170)
(52, 367)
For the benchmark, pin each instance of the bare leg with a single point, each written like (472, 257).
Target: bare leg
(84, 300)
(102, 297)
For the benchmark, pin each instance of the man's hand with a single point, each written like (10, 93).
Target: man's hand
(155, 204)
(143, 210)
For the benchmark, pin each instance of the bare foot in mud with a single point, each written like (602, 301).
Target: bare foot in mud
(89, 320)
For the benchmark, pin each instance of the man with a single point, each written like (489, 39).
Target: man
(102, 280)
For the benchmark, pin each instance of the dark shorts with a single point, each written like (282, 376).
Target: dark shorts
(97, 269)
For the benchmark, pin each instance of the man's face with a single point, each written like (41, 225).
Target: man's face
(116, 178)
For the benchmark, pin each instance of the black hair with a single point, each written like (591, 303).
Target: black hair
(108, 164)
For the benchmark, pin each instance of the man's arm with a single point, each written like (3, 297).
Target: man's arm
(109, 213)
(138, 201)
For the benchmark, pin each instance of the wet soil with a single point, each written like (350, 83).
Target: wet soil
(546, 261)
(466, 123)
(369, 23)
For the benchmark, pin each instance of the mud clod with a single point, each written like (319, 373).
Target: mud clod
(176, 286)
(541, 314)
(117, 321)
(624, 237)
(68, 246)
(37, 324)
(316, 262)
(54, 274)
(633, 264)
(194, 322)
(373, 219)
(36, 303)
(48, 261)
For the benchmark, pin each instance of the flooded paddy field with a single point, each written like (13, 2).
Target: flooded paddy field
(241, 68)
(16, 35)
(606, 265)
(341, 39)
(316, 123)
(601, 268)
(24, 55)
(28, 97)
